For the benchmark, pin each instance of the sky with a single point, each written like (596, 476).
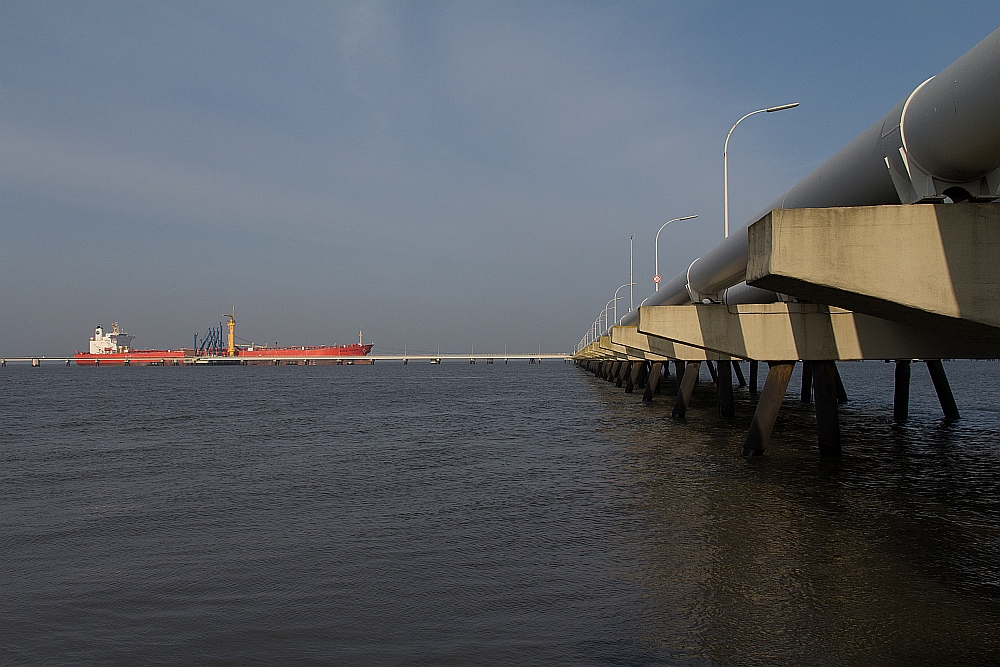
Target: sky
(458, 175)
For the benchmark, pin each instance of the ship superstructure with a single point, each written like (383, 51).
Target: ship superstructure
(115, 342)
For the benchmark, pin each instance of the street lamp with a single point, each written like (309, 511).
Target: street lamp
(606, 308)
(725, 151)
(616, 300)
(656, 248)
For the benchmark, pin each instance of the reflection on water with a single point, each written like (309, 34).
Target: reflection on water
(888, 555)
(487, 515)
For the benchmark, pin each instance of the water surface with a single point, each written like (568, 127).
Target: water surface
(487, 514)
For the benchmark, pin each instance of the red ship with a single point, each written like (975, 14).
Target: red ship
(115, 349)
(321, 353)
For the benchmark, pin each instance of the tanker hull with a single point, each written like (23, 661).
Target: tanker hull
(136, 358)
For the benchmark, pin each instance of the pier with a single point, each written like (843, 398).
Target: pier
(223, 360)
(887, 251)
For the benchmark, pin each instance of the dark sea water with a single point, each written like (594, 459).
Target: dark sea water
(487, 514)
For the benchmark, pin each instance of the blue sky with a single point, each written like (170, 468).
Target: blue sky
(454, 174)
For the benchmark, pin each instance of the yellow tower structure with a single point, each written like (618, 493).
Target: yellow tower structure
(232, 332)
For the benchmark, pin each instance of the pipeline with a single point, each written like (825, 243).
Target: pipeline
(941, 141)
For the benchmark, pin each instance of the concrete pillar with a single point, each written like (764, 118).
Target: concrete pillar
(778, 375)
(712, 372)
(727, 407)
(633, 376)
(621, 374)
(901, 394)
(653, 382)
(827, 419)
(737, 366)
(807, 381)
(686, 388)
(841, 392)
(943, 388)
(641, 374)
(679, 371)
(616, 373)
(753, 377)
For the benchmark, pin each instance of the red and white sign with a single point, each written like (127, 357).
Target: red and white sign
(656, 278)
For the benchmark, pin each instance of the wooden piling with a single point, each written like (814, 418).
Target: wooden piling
(754, 365)
(943, 389)
(727, 406)
(901, 393)
(759, 435)
(807, 382)
(824, 380)
(685, 389)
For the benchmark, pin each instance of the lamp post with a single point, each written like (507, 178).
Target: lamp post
(606, 308)
(656, 248)
(725, 151)
(616, 300)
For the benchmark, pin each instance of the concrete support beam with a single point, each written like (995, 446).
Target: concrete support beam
(739, 372)
(686, 388)
(923, 264)
(633, 375)
(759, 435)
(641, 374)
(711, 371)
(841, 391)
(807, 382)
(753, 377)
(658, 349)
(901, 392)
(805, 331)
(943, 389)
(653, 382)
(727, 406)
(824, 375)
(623, 373)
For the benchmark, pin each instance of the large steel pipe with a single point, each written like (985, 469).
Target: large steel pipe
(942, 140)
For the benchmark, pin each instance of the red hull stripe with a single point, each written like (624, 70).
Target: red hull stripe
(306, 352)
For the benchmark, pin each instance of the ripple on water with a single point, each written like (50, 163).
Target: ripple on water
(495, 515)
